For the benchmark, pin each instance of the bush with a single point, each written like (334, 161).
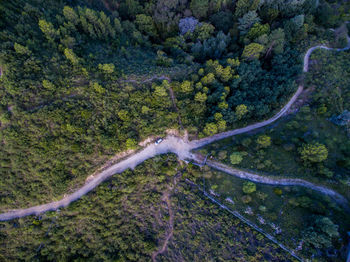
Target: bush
(264, 141)
(249, 187)
(252, 51)
(277, 191)
(246, 142)
(314, 152)
(236, 158)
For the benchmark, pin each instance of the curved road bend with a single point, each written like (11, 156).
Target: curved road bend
(170, 144)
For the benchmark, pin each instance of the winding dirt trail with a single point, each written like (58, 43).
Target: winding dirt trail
(278, 181)
(162, 249)
(166, 199)
(181, 147)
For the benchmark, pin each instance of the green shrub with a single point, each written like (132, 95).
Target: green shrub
(236, 158)
(249, 187)
(277, 191)
(264, 141)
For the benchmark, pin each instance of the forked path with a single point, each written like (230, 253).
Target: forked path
(181, 147)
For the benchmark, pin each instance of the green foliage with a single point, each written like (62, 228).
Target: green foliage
(163, 60)
(130, 143)
(22, 50)
(146, 25)
(97, 88)
(236, 158)
(313, 152)
(204, 31)
(258, 30)
(223, 21)
(210, 129)
(278, 191)
(213, 47)
(233, 62)
(48, 85)
(186, 87)
(199, 8)
(252, 51)
(48, 29)
(249, 187)
(264, 141)
(248, 21)
(208, 79)
(321, 233)
(276, 41)
(71, 56)
(241, 110)
(70, 15)
(160, 91)
(243, 6)
(106, 68)
(166, 16)
(200, 97)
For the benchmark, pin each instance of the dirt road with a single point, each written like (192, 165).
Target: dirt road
(181, 147)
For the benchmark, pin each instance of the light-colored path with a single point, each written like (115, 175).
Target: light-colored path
(278, 181)
(171, 144)
(205, 141)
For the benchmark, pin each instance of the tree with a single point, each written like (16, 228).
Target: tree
(98, 88)
(146, 25)
(225, 74)
(167, 15)
(130, 8)
(208, 79)
(314, 152)
(252, 51)
(233, 62)
(71, 56)
(276, 41)
(294, 26)
(221, 124)
(145, 110)
(117, 26)
(241, 110)
(131, 143)
(264, 141)
(247, 21)
(214, 47)
(210, 129)
(106, 68)
(204, 31)
(48, 85)
(223, 21)
(258, 30)
(236, 158)
(200, 97)
(48, 29)
(70, 15)
(22, 50)
(186, 87)
(199, 8)
(160, 91)
(249, 187)
(243, 6)
(320, 233)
